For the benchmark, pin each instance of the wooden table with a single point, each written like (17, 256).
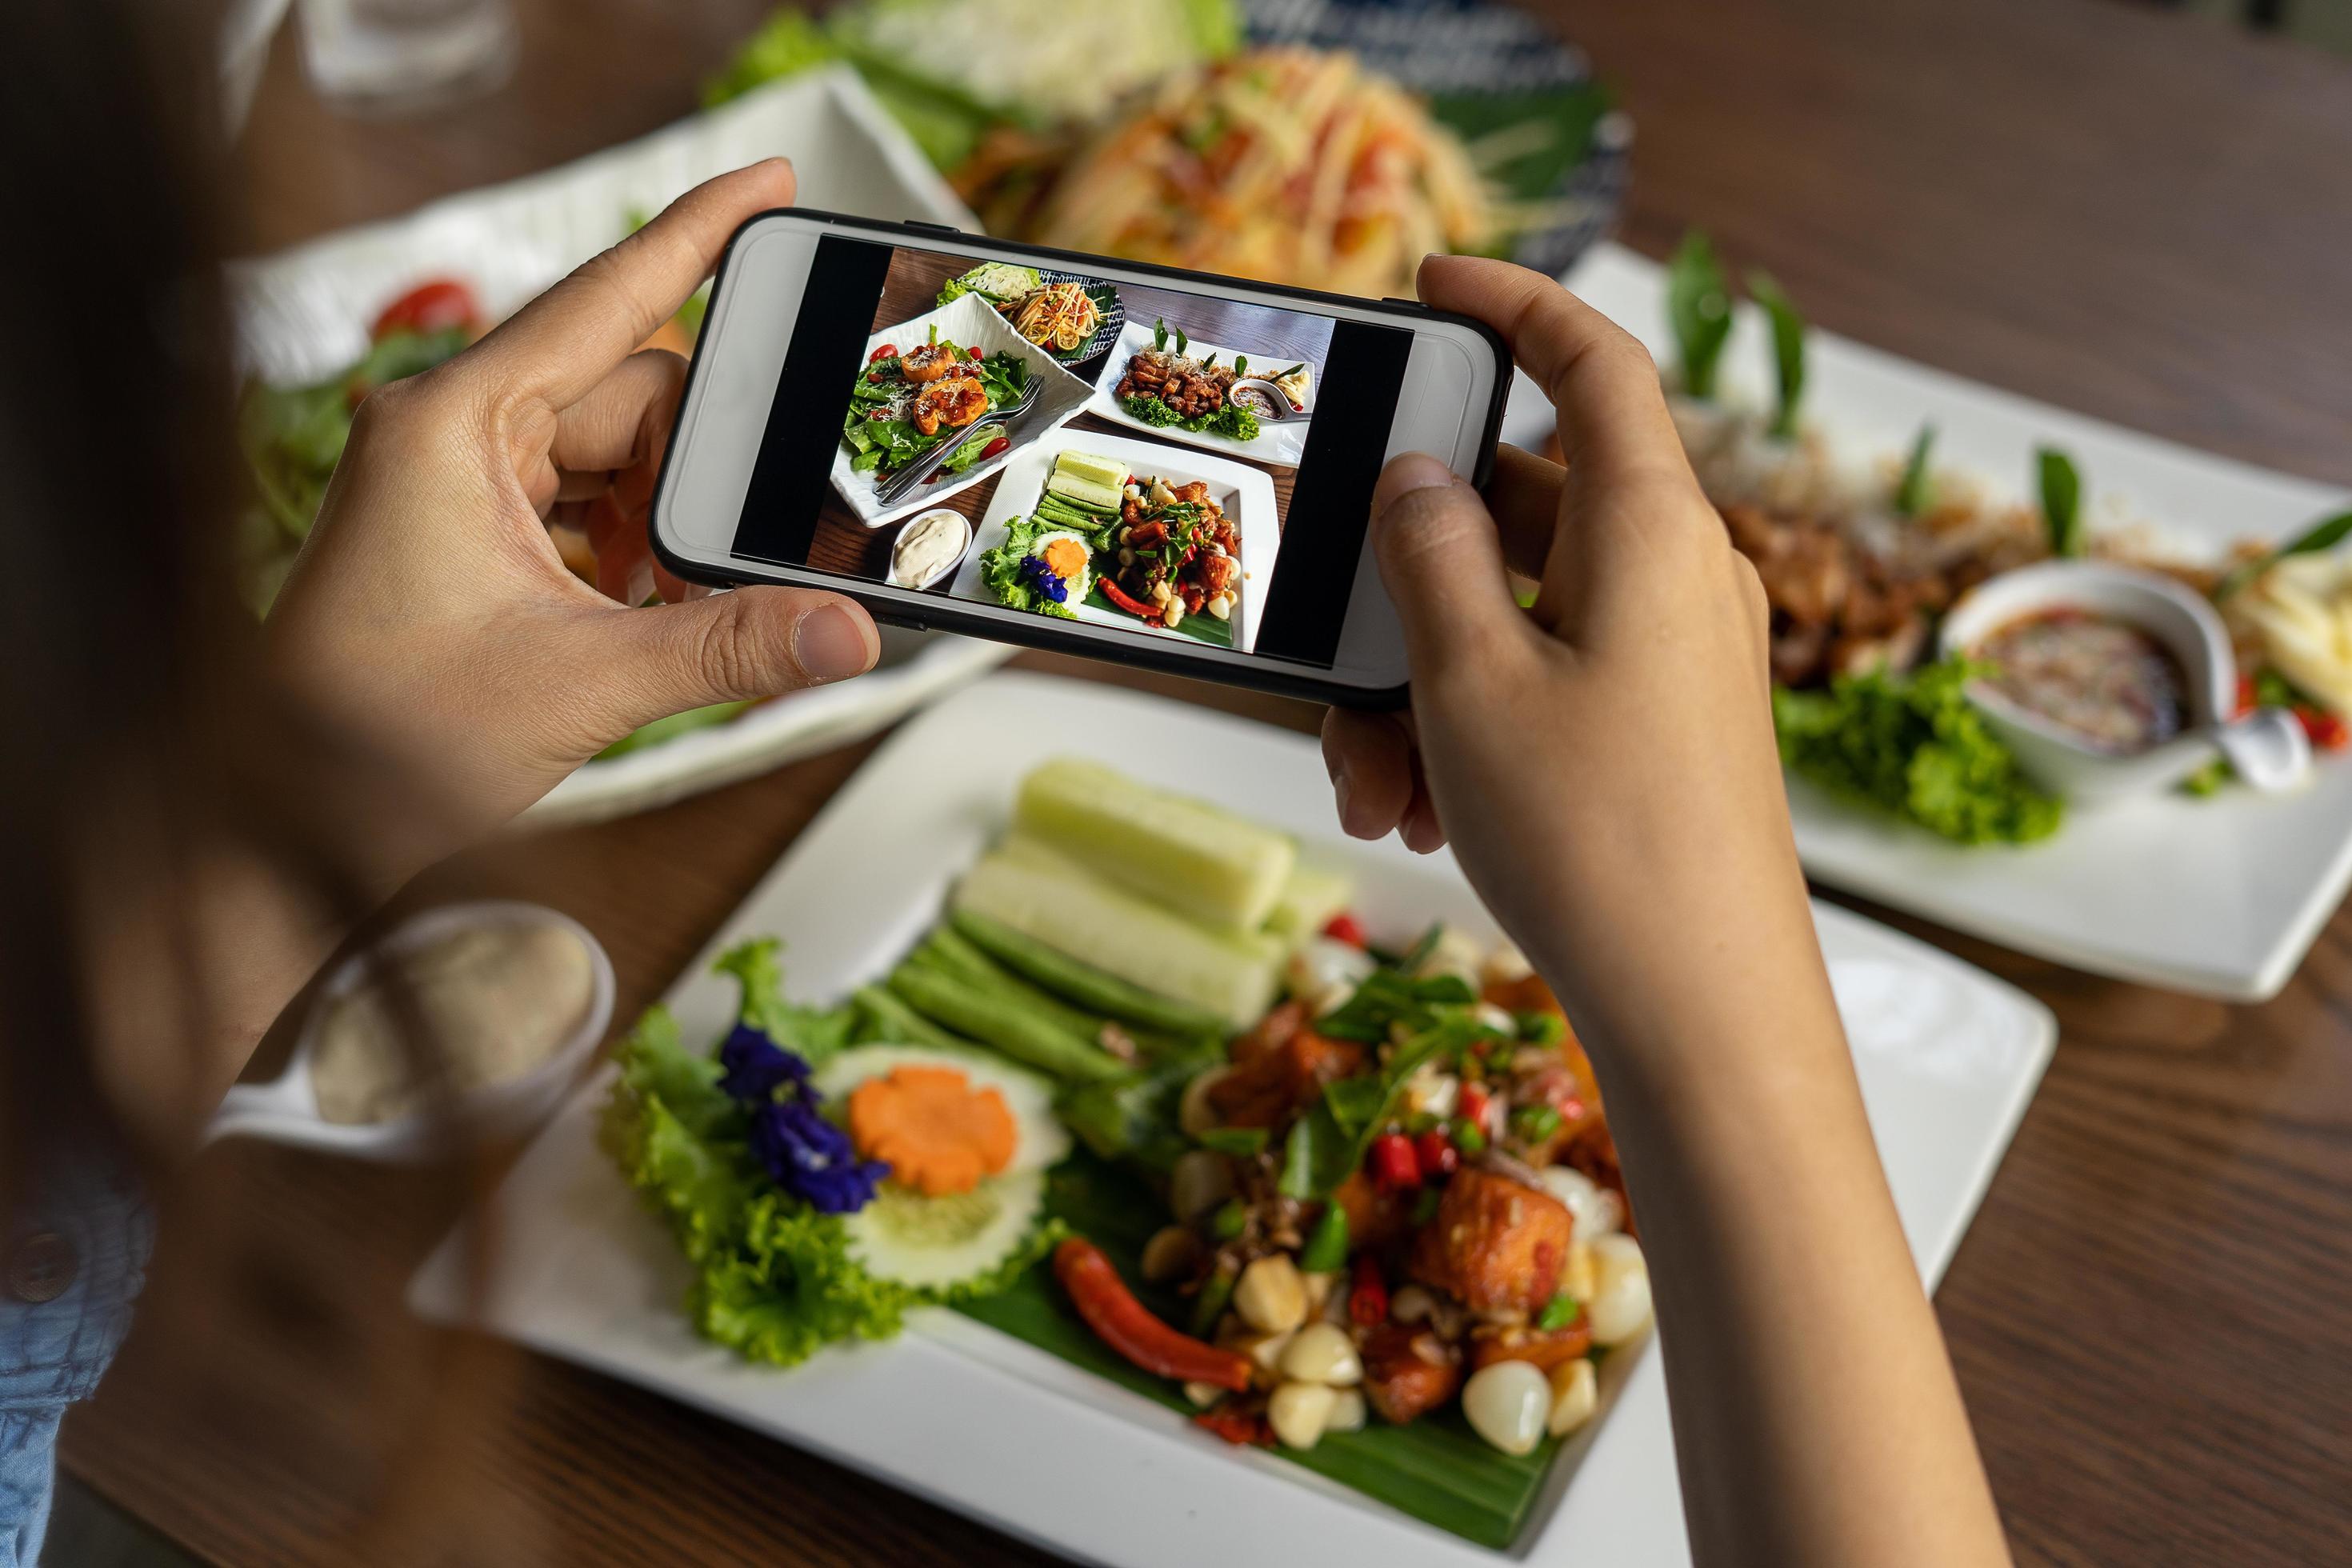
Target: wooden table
(2133, 214)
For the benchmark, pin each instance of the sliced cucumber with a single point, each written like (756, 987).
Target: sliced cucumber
(1309, 899)
(1039, 1139)
(937, 1244)
(1218, 868)
(1043, 894)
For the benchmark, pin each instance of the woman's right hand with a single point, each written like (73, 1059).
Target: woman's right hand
(1603, 764)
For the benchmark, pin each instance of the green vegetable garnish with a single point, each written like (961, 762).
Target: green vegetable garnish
(1211, 1303)
(2208, 780)
(1558, 1314)
(1698, 301)
(1230, 1220)
(1913, 491)
(1914, 746)
(1468, 1136)
(1243, 1143)
(1425, 1207)
(2062, 500)
(2325, 534)
(1541, 1029)
(1534, 1123)
(1327, 1248)
(1787, 350)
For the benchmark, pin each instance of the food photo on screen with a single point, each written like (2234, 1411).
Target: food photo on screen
(1116, 454)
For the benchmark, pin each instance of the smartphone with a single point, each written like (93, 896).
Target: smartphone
(1108, 458)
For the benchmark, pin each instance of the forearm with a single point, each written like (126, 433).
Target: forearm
(1815, 1414)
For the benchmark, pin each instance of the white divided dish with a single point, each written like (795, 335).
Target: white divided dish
(1245, 494)
(969, 321)
(2220, 896)
(992, 1427)
(286, 1109)
(303, 314)
(1276, 441)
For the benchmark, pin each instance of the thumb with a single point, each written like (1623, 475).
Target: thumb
(1441, 557)
(737, 646)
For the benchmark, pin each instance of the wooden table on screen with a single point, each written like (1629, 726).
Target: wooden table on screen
(2135, 214)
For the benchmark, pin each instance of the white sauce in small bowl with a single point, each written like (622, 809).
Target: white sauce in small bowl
(927, 547)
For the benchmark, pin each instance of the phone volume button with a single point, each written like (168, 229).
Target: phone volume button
(933, 227)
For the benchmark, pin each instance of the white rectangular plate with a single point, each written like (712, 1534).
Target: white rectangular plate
(2219, 896)
(1245, 495)
(969, 321)
(1283, 442)
(995, 1428)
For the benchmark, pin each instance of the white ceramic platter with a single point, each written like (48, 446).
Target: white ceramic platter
(2219, 895)
(969, 321)
(998, 1429)
(1245, 494)
(1284, 442)
(304, 314)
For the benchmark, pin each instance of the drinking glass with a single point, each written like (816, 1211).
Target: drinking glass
(391, 57)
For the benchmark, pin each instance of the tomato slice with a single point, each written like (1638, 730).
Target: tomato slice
(430, 307)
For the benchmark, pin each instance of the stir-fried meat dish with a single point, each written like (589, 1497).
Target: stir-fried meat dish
(1184, 383)
(954, 402)
(1176, 553)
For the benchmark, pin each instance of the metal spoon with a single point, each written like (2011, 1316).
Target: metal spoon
(893, 489)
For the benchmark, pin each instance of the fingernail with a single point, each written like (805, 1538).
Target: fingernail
(831, 645)
(1410, 472)
(1342, 792)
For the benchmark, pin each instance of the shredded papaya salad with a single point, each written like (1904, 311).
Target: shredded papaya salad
(1315, 1188)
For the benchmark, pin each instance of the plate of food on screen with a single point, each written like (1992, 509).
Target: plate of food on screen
(1133, 534)
(1072, 317)
(1255, 403)
(940, 402)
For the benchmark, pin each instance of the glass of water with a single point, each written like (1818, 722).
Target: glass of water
(389, 56)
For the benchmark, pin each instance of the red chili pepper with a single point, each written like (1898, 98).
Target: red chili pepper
(994, 447)
(888, 350)
(1118, 596)
(1346, 927)
(1436, 1154)
(2246, 701)
(2327, 732)
(1394, 1164)
(1570, 1109)
(1476, 1103)
(973, 353)
(1368, 1298)
(433, 307)
(1240, 1427)
(1121, 1322)
(878, 414)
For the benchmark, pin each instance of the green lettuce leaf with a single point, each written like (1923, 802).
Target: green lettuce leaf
(1914, 746)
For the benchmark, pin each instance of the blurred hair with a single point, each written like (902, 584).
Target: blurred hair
(139, 734)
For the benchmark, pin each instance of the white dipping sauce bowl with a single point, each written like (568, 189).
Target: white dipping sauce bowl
(2268, 746)
(285, 1110)
(963, 530)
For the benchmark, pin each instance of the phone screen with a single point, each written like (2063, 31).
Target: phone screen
(1173, 464)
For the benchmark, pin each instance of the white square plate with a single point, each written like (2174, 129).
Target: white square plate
(1245, 495)
(995, 1428)
(1283, 442)
(2219, 896)
(969, 321)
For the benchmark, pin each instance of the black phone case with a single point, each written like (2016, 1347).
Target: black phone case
(1270, 674)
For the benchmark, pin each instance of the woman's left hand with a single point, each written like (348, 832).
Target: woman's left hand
(430, 613)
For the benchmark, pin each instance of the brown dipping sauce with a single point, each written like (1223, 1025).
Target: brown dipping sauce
(2107, 681)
